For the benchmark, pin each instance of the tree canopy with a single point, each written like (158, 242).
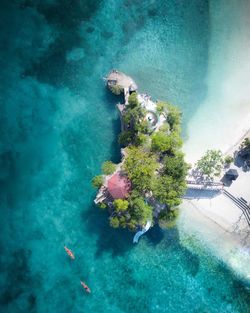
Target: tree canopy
(140, 167)
(210, 165)
(108, 167)
(140, 211)
(133, 101)
(120, 205)
(97, 181)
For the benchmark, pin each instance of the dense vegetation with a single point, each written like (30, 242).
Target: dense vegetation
(154, 164)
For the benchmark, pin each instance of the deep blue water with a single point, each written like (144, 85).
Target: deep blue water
(58, 123)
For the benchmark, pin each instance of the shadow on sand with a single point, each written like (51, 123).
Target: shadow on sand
(201, 194)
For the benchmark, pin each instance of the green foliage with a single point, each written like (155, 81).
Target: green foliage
(210, 164)
(140, 167)
(126, 138)
(141, 140)
(140, 211)
(108, 167)
(228, 159)
(246, 144)
(116, 89)
(102, 205)
(97, 181)
(154, 165)
(133, 100)
(168, 218)
(162, 142)
(173, 117)
(120, 205)
(114, 222)
(168, 190)
(162, 108)
(175, 166)
(165, 128)
(142, 127)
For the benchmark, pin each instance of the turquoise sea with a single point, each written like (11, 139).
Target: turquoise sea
(58, 123)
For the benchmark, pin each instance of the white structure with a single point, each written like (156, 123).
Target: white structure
(152, 116)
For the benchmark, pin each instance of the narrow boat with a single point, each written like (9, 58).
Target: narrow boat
(85, 287)
(69, 252)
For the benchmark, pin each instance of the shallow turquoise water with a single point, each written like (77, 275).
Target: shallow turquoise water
(59, 123)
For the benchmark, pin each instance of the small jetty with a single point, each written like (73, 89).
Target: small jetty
(141, 232)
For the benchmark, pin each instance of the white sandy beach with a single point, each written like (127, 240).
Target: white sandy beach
(222, 122)
(218, 221)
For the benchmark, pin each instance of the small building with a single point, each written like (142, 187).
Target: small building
(232, 174)
(119, 186)
(116, 78)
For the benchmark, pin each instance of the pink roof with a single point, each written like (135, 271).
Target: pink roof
(119, 186)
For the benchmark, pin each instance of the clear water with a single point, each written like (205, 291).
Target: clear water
(59, 123)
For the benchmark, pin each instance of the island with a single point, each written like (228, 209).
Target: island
(147, 186)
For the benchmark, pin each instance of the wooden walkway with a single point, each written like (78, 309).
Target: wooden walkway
(204, 185)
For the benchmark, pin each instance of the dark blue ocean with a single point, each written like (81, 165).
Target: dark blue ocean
(58, 123)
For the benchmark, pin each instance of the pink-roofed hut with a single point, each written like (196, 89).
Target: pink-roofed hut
(119, 186)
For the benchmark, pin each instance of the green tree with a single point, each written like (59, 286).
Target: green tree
(140, 167)
(162, 108)
(120, 205)
(228, 159)
(114, 222)
(102, 205)
(175, 166)
(168, 190)
(168, 218)
(116, 89)
(141, 140)
(140, 211)
(211, 164)
(162, 142)
(133, 100)
(97, 181)
(126, 137)
(173, 117)
(245, 144)
(108, 167)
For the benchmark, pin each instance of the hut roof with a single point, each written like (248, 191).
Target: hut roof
(232, 173)
(119, 186)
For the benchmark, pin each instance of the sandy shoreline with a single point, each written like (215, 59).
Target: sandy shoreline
(228, 246)
(219, 222)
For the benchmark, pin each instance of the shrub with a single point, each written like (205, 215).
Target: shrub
(108, 167)
(168, 218)
(228, 159)
(245, 144)
(120, 205)
(126, 138)
(133, 100)
(210, 164)
(102, 205)
(140, 167)
(97, 181)
(116, 89)
(114, 222)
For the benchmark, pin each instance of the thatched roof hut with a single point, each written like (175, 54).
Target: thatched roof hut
(232, 174)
